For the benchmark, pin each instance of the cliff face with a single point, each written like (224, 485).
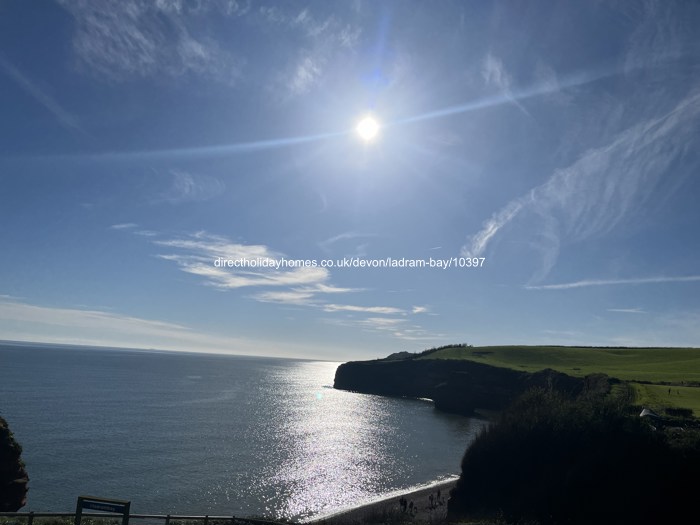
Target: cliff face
(457, 386)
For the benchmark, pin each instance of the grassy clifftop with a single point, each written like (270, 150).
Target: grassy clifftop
(660, 377)
(656, 365)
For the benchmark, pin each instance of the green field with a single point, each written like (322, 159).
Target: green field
(657, 397)
(675, 366)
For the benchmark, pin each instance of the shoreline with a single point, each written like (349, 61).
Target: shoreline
(420, 496)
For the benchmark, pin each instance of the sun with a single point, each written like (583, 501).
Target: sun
(367, 128)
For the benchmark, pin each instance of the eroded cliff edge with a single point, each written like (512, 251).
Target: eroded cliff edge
(457, 386)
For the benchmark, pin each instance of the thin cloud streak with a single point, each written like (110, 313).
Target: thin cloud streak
(363, 309)
(294, 297)
(615, 282)
(397, 328)
(575, 80)
(13, 310)
(302, 296)
(327, 243)
(67, 120)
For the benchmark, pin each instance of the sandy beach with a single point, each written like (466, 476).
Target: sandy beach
(390, 509)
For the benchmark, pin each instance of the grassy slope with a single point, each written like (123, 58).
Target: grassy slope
(657, 365)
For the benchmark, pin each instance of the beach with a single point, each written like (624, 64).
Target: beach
(389, 509)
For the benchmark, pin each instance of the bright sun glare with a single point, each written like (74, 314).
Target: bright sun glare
(367, 128)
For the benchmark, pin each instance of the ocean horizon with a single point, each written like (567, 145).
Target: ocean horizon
(190, 433)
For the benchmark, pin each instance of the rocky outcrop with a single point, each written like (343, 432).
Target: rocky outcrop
(457, 386)
(13, 477)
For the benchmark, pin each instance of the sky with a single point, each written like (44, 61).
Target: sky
(555, 145)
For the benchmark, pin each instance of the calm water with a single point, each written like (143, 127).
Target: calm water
(206, 434)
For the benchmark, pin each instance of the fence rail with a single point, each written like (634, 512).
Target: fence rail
(167, 518)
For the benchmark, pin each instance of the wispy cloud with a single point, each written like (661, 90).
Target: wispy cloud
(399, 328)
(382, 323)
(364, 309)
(305, 73)
(395, 327)
(197, 253)
(293, 297)
(70, 317)
(615, 282)
(64, 118)
(480, 240)
(627, 310)
(304, 286)
(302, 296)
(495, 74)
(599, 191)
(124, 226)
(349, 249)
(323, 40)
(327, 244)
(120, 39)
(567, 333)
(188, 187)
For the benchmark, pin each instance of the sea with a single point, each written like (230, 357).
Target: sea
(202, 434)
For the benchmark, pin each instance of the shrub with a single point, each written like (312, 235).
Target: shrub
(13, 477)
(555, 460)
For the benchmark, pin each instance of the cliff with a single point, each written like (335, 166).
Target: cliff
(458, 386)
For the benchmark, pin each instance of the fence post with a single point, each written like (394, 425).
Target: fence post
(167, 520)
(206, 519)
(30, 519)
(78, 511)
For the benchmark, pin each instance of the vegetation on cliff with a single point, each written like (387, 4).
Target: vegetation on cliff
(550, 459)
(13, 476)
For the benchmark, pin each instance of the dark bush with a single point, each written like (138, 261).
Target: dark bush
(679, 412)
(554, 460)
(13, 477)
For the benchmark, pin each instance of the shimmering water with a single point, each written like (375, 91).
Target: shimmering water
(207, 434)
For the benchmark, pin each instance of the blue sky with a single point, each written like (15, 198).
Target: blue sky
(140, 140)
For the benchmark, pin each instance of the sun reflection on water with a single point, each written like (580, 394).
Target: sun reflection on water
(338, 449)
